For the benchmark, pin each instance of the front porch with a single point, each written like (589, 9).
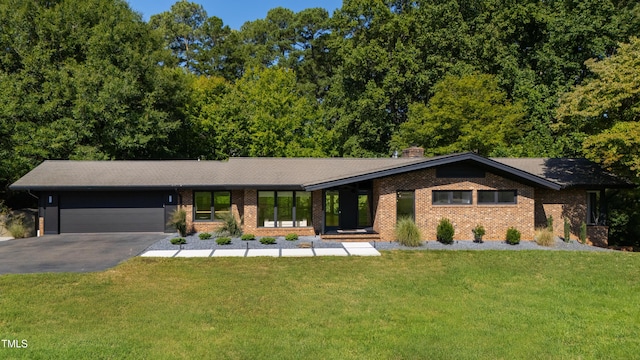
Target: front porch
(357, 235)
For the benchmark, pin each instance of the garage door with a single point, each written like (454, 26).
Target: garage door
(91, 212)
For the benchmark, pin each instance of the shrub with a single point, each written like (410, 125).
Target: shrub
(268, 240)
(407, 232)
(583, 233)
(550, 223)
(225, 240)
(179, 221)
(230, 227)
(567, 230)
(544, 237)
(15, 225)
(445, 231)
(247, 237)
(179, 241)
(204, 236)
(478, 233)
(513, 236)
(291, 237)
(17, 229)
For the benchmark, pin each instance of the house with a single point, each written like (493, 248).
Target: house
(333, 197)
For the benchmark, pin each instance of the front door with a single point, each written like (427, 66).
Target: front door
(346, 209)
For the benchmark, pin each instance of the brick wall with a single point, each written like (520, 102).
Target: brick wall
(186, 203)
(570, 204)
(495, 218)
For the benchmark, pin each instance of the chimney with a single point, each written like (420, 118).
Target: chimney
(413, 152)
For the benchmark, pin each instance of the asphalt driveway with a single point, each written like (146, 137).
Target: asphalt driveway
(72, 252)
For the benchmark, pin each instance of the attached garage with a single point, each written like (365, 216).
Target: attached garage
(91, 212)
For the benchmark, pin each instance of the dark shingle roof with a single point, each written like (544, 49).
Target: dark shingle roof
(295, 173)
(568, 172)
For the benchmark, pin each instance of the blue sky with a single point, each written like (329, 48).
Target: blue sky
(235, 12)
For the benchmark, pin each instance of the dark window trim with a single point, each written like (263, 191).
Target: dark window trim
(450, 198)
(275, 210)
(495, 197)
(212, 218)
(414, 203)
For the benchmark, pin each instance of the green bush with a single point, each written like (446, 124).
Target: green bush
(567, 230)
(179, 241)
(204, 236)
(225, 240)
(268, 240)
(513, 236)
(583, 233)
(17, 229)
(247, 237)
(291, 237)
(544, 237)
(445, 231)
(230, 227)
(407, 232)
(550, 223)
(478, 233)
(179, 221)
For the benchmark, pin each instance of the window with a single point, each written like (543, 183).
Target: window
(332, 208)
(304, 210)
(593, 208)
(451, 197)
(207, 203)
(284, 208)
(453, 171)
(405, 205)
(497, 197)
(364, 209)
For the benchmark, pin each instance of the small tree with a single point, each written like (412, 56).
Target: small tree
(567, 230)
(550, 223)
(445, 231)
(583, 233)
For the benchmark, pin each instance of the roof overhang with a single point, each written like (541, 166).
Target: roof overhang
(157, 187)
(488, 164)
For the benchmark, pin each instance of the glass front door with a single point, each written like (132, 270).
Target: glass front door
(332, 209)
(347, 209)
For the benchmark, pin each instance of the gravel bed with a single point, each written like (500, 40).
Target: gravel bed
(194, 243)
(491, 245)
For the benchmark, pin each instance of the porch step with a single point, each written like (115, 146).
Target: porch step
(351, 237)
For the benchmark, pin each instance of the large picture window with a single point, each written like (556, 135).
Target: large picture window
(284, 209)
(451, 197)
(211, 206)
(497, 197)
(405, 205)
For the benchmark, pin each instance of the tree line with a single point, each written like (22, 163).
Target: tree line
(90, 79)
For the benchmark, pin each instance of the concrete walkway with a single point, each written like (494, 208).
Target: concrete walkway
(348, 249)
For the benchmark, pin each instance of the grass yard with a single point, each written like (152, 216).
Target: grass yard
(403, 305)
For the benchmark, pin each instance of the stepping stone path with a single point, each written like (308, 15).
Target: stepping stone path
(347, 249)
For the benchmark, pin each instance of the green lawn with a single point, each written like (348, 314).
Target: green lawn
(403, 305)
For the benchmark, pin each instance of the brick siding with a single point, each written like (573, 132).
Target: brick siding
(532, 209)
(186, 203)
(570, 204)
(496, 219)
